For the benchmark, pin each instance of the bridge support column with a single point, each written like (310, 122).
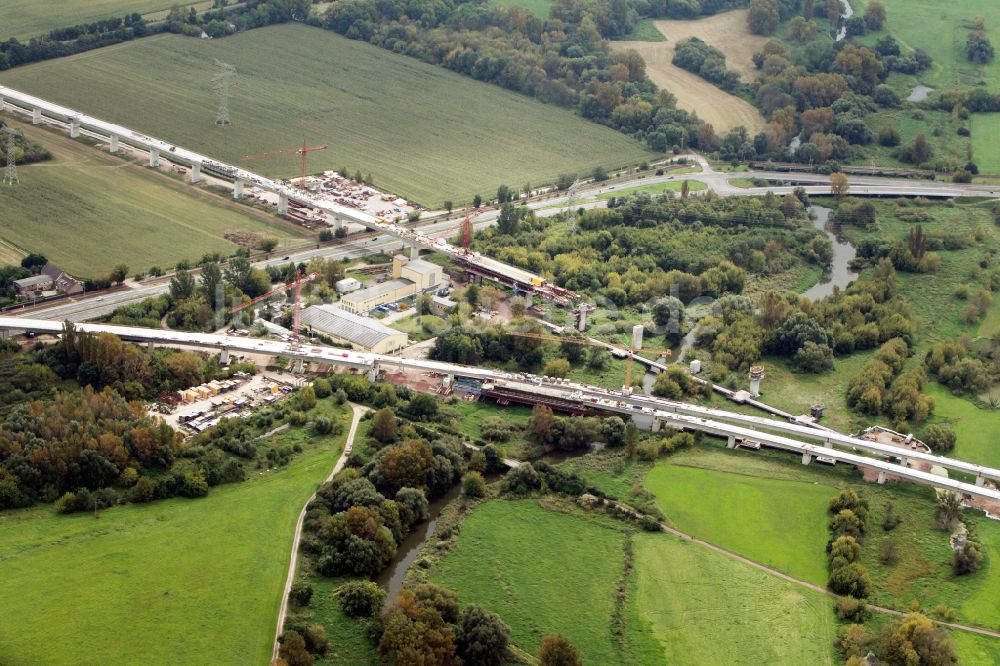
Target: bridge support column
(113, 144)
(282, 204)
(195, 174)
(238, 188)
(36, 116)
(414, 252)
(881, 477)
(150, 345)
(806, 458)
(74, 128)
(224, 356)
(731, 442)
(656, 425)
(828, 444)
(373, 372)
(299, 366)
(980, 481)
(338, 224)
(154, 157)
(2, 104)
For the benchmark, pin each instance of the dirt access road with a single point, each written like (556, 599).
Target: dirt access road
(727, 32)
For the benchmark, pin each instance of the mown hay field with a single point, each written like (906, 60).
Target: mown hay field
(422, 131)
(87, 211)
(727, 32)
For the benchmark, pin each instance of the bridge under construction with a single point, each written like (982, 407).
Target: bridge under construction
(886, 461)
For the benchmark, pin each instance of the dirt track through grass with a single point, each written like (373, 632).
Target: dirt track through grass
(726, 32)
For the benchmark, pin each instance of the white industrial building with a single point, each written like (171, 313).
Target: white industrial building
(362, 333)
(410, 277)
(347, 285)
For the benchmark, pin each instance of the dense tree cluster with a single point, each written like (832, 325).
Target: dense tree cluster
(956, 366)
(425, 626)
(881, 388)
(640, 248)
(706, 61)
(847, 575)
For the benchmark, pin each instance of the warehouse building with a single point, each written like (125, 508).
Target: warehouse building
(362, 333)
(410, 277)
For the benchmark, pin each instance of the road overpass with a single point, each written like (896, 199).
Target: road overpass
(650, 412)
(115, 135)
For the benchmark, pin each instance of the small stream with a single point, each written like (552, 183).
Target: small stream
(848, 13)
(840, 273)
(391, 578)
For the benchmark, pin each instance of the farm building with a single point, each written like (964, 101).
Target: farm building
(34, 285)
(360, 332)
(61, 280)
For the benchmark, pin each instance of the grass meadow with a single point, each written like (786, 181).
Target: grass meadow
(420, 130)
(543, 572)
(940, 29)
(177, 581)
(986, 131)
(87, 211)
(977, 428)
(706, 608)
(768, 507)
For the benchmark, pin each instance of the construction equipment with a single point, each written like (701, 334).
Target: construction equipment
(301, 152)
(280, 290)
(628, 353)
(465, 228)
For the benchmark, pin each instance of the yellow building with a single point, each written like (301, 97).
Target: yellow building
(364, 300)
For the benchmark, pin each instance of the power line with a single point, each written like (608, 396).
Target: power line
(222, 84)
(10, 173)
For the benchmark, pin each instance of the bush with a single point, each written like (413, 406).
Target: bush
(850, 609)
(890, 521)
(481, 637)
(522, 480)
(293, 649)
(889, 552)
(967, 559)
(473, 485)
(557, 651)
(361, 598)
(301, 593)
(941, 438)
(852, 580)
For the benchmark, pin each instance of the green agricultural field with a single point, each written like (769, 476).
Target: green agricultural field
(30, 18)
(539, 8)
(171, 582)
(940, 28)
(645, 31)
(706, 608)
(422, 131)
(87, 211)
(986, 131)
(543, 572)
(777, 522)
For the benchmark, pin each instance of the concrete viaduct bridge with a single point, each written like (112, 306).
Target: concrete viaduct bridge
(648, 412)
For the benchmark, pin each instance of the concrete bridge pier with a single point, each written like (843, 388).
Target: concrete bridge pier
(980, 481)
(150, 345)
(338, 224)
(238, 188)
(36, 116)
(195, 173)
(299, 366)
(373, 372)
(113, 144)
(74, 128)
(224, 356)
(828, 444)
(2, 104)
(657, 425)
(414, 252)
(881, 477)
(806, 458)
(282, 203)
(154, 157)
(731, 442)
